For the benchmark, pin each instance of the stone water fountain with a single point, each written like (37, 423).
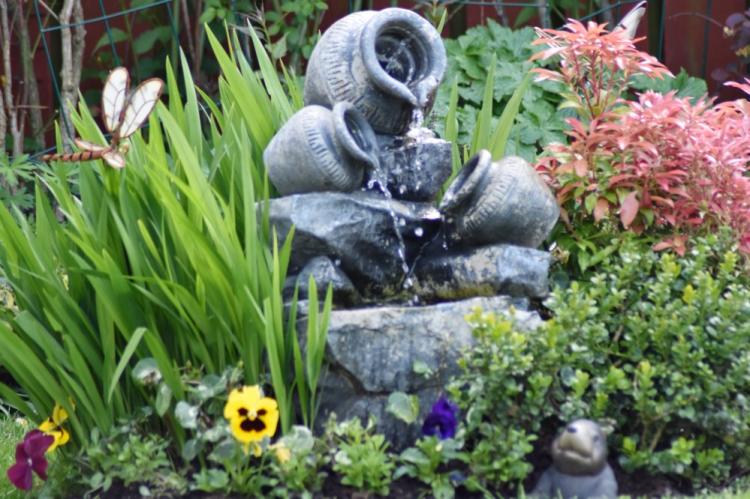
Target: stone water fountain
(360, 180)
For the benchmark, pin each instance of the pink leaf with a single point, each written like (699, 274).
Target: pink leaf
(601, 209)
(629, 209)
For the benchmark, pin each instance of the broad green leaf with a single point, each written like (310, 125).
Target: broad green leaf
(404, 407)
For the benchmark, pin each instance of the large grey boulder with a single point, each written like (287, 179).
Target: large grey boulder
(485, 271)
(372, 351)
(358, 232)
(324, 273)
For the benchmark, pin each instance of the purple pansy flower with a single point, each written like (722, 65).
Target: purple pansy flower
(442, 419)
(30, 457)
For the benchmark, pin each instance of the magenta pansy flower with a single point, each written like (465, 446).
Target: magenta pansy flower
(30, 457)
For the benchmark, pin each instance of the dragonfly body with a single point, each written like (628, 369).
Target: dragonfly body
(123, 113)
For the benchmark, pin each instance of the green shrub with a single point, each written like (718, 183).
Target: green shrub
(655, 343)
(129, 457)
(359, 455)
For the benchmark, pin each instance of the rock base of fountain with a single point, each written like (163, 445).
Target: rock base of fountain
(378, 236)
(372, 352)
(500, 269)
(415, 167)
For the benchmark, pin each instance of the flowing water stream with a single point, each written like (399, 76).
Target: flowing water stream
(379, 179)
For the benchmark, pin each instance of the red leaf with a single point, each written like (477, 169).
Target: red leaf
(601, 209)
(581, 167)
(629, 209)
(662, 245)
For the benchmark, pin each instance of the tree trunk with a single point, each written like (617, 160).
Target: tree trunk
(73, 42)
(10, 105)
(31, 89)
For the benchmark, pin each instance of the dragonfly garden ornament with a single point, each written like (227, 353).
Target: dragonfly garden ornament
(123, 113)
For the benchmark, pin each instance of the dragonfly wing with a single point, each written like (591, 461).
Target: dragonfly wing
(114, 159)
(114, 96)
(89, 146)
(631, 20)
(140, 105)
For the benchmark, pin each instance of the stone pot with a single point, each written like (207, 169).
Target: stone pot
(505, 201)
(387, 63)
(321, 150)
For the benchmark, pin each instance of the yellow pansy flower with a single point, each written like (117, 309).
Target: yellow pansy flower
(53, 426)
(251, 416)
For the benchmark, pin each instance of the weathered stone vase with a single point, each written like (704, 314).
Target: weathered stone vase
(504, 201)
(387, 63)
(321, 150)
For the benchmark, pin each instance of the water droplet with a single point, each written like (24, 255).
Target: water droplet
(402, 222)
(401, 189)
(419, 232)
(337, 262)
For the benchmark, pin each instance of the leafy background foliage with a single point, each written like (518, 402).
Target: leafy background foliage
(653, 343)
(469, 57)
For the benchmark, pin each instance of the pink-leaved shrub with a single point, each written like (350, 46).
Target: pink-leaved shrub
(660, 162)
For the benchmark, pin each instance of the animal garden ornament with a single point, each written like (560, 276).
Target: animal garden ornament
(123, 113)
(579, 469)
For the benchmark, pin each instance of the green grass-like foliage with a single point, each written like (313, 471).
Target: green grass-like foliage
(654, 343)
(168, 258)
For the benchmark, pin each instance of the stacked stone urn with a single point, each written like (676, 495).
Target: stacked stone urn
(360, 182)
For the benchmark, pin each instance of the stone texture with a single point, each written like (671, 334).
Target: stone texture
(357, 232)
(485, 271)
(416, 168)
(372, 351)
(324, 272)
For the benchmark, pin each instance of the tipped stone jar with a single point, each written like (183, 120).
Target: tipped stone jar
(500, 202)
(321, 150)
(387, 63)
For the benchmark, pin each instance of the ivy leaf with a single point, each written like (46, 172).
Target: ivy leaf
(187, 415)
(298, 440)
(146, 372)
(163, 399)
(118, 36)
(404, 407)
(191, 449)
(146, 41)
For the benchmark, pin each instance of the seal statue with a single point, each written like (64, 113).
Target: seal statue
(579, 468)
